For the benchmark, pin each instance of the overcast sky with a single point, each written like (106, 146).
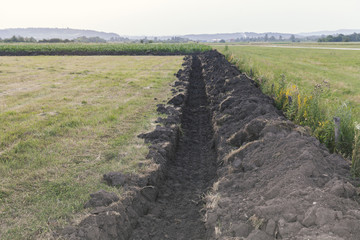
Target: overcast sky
(173, 17)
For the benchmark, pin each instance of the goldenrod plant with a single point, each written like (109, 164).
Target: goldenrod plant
(355, 164)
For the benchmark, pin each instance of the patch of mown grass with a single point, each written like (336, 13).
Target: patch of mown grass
(57, 142)
(311, 86)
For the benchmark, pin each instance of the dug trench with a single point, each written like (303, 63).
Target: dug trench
(269, 178)
(176, 213)
(168, 202)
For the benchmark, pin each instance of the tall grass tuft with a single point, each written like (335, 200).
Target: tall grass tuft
(355, 164)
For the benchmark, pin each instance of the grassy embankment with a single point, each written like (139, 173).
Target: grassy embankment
(312, 86)
(64, 122)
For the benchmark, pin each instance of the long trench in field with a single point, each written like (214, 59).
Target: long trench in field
(177, 211)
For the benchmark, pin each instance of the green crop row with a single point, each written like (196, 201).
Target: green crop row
(101, 49)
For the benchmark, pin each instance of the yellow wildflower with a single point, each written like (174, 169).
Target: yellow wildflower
(287, 92)
(305, 99)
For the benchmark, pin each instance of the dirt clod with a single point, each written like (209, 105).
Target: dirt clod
(101, 198)
(115, 178)
(177, 100)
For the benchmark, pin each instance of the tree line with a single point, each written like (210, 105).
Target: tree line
(355, 37)
(20, 39)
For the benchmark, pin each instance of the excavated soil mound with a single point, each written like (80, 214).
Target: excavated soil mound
(276, 181)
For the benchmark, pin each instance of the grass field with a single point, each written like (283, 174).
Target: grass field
(305, 68)
(291, 44)
(329, 78)
(65, 121)
(25, 49)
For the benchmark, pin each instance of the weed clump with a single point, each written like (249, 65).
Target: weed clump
(355, 164)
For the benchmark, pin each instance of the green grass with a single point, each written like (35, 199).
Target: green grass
(291, 44)
(99, 49)
(305, 67)
(324, 83)
(64, 122)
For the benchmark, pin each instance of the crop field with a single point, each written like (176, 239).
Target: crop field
(65, 121)
(100, 49)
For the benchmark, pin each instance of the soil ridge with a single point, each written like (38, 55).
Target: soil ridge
(275, 180)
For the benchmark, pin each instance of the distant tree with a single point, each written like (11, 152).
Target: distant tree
(346, 39)
(32, 39)
(272, 39)
(280, 38)
(266, 38)
(292, 38)
(12, 39)
(90, 40)
(55, 40)
(222, 41)
(19, 39)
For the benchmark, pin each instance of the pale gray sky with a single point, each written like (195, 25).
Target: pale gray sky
(170, 17)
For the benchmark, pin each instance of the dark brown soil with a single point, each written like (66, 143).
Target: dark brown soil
(276, 181)
(176, 213)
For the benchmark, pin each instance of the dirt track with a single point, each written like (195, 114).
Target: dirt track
(272, 179)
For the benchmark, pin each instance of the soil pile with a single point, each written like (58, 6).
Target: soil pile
(276, 181)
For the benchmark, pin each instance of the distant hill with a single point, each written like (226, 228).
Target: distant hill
(48, 33)
(326, 33)
(232, 36)
(276, 35)
(68, 33)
